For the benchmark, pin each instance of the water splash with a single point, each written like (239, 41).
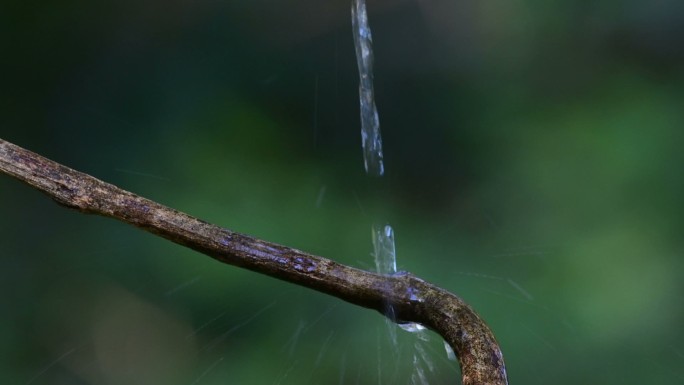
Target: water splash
(418, 377)
(386, 263)
(209, 369)
(384, 252)
(385, 258)
(50, 365)
(421, 361)
(370, 124)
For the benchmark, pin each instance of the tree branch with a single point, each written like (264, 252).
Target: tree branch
(410, 298)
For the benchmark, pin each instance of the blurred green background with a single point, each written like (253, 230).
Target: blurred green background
(534, 167)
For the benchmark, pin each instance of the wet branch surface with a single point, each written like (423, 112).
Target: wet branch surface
(411, 298)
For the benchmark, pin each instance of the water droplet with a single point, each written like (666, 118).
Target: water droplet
(449, 351)
(414, 294)
(412, 327)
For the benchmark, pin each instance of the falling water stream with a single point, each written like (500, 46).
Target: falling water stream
(384, 251)
(370, 124)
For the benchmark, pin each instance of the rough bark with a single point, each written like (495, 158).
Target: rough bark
(411, 298)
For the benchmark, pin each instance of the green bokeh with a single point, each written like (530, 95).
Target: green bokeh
(534, 167)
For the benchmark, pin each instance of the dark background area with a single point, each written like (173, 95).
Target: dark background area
(534, 166)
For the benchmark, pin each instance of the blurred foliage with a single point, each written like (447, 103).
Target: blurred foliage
(534, 164)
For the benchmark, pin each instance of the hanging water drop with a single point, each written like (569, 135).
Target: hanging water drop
(413, 327)
(449, 351)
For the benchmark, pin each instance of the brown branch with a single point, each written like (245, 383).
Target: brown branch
(410, 298)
